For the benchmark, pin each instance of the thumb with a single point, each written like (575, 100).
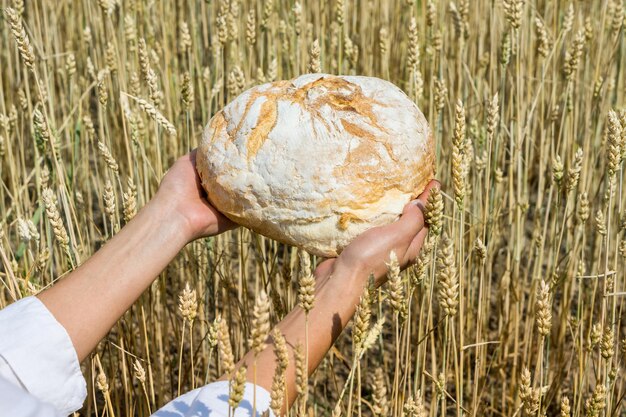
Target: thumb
(412, 219)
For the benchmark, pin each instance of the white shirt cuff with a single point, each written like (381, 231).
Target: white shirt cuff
(16, 402)
(41, 355)
(212, 401)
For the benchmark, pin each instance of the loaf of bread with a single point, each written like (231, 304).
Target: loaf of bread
(317, 160)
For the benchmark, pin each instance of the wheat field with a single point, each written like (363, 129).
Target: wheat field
(516, 305)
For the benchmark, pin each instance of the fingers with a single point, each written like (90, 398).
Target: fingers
(413, 224)
(416, 246)
(191, 156)
(412, 219)
(324, 267)
(424, 195)
(410, 222)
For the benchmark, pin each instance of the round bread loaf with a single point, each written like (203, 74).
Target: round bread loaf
(316, 160)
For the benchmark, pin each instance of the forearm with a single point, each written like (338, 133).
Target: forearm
(336, 298)
(92, 298)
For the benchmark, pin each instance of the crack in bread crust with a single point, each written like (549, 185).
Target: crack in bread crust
(354, 101)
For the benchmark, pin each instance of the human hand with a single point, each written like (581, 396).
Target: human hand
(369, 252)
(182, 192)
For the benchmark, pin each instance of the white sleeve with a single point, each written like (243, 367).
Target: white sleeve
(40, 357)
(16, 402)
(212, 401)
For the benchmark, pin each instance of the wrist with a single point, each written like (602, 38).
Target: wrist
(359, 272)
(349, 276)
(167, 210)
